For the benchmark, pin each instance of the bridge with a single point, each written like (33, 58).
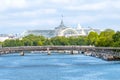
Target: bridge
(106, 53)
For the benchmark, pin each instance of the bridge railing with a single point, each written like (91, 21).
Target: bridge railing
(38, 48)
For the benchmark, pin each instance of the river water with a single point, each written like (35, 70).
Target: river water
(57, 67)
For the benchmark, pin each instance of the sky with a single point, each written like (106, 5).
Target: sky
(17, 16)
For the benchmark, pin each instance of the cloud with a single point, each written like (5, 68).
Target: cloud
(92, 6)
(32, 23)
(34, 13)
(102, 5)
(115, 4)
(39, 13)
(62, 1)
(32, 3)
(83, 19)
(7, 4)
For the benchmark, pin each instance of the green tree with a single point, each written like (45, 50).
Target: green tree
(92, 38)
(116, 39)
(9, 43)
(40, 43)
(105, 38)
(59, 40)
(47, 42)
(1, 44)
(32, 40)
(72, 40)
(80, 40)
(116, 36)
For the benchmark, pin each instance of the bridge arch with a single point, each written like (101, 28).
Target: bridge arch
(68, 32)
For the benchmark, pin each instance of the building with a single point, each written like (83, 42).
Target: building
(4, 37)
(46, 33)
(63, 30)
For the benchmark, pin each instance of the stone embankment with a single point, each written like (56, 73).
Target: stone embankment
(104, 56)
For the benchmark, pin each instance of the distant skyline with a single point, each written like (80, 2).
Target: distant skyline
(17, 16)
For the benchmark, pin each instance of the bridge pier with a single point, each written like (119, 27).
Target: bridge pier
(22, 53)
(71, 52)
(65, 51)
(79, 52)
(48, 51)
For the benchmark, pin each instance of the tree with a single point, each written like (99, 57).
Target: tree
(105, 38)
(1, 44)
(92, 38)
(102, 42)
(59, 40)
(9, 43)
(116, 39)
(47, 42)
(32, 40)
(40, 43)
(72, 40)
(19, 42)
(116, 36)
(108, 33)
(81, 40)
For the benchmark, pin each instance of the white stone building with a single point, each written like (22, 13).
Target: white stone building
(63, 30)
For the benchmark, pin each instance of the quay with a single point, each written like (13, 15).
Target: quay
(106, 53)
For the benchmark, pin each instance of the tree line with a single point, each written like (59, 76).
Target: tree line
(107, 38)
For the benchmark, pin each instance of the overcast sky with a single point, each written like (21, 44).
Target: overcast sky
(17, 16)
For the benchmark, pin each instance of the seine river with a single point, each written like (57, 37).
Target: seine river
(57, 67)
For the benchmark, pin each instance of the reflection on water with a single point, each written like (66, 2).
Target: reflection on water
(57, 67)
